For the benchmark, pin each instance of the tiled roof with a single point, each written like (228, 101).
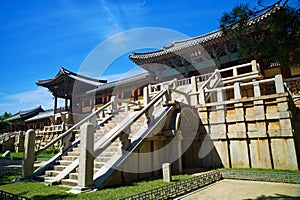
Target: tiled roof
(180, 45)
(133, 79)
(72, 75)
(25, 114)
(41, 115)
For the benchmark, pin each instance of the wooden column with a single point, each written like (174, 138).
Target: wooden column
(55, 103)
(66, 103)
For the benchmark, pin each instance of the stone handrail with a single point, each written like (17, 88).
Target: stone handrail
(101, 145)
(279, 87)
(160, 86)
(69, 131)
(110, 137)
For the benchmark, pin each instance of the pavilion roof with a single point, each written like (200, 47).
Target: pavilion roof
(137, 80)
(40, 116)
(63, 83)
(177, 46)
(23, 115)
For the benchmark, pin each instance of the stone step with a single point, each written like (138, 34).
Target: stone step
(51, 173)
(64, 162)
(73, 175)
(107, 153)
(99, 164)
(72, 153)
(102, 159)
(69, 182)
(59, 167)
(69, 157)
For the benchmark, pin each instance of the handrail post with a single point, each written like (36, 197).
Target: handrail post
(66, 142)
(279, 86)
(237, 91)
(220, 96)
(256, 89)
(86, 158)
(114, 101)
(254, 66)
(146, 95)
(202, 96)
(28, 157)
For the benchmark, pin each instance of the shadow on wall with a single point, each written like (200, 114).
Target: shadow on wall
(200, 149)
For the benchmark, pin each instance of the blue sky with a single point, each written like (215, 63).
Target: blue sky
(37, 37)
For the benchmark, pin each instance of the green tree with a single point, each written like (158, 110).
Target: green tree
(278, 36)
(4, 124)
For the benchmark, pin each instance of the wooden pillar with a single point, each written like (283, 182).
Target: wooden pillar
(71, 105)
(66, 102)
(55, 103)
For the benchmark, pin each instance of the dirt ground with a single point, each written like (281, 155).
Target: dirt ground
(237, 189)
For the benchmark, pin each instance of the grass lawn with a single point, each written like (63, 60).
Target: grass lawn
(19, 155)
(37, 190)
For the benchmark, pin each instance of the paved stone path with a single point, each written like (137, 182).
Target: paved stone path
(237, 189)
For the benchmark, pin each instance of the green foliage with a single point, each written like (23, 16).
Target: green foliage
(3, 124)
(278, 36)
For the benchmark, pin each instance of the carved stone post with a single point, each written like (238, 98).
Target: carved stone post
(202, 96)
(125, 141)
(237, 91)
(28, 157)
(86, 158)
(146, 95)
(66, 142)
(279, 84)
(256, 90)
(114, 101)
(254, 66)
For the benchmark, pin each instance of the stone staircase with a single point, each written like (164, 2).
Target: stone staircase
(115, 148)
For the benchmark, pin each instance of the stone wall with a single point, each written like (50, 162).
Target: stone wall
(255, 132)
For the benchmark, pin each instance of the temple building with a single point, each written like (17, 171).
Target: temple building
(199, 106)
(61, 86)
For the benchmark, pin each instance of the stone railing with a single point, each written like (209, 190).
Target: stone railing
(221, 94)
(179, 188)
(65, 138)
(267, 176)
(247, 71)
(9, 196)
(10, 171)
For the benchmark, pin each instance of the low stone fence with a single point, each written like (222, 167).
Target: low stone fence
(10, 171)
(282, 177)
(9, 196)
(183, 187)
(178, 188)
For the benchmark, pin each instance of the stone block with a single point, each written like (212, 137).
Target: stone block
(270, 116)
(284, 154)
(260, 154)
(230, 115)
(218, 129)
(284, 106)
(222, 153)
(256, 134)
(239, 154)
(217, 136)
(271, 109)
(239, 114)
(285, 124)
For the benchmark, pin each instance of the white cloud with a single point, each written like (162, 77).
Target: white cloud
(26, 100)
